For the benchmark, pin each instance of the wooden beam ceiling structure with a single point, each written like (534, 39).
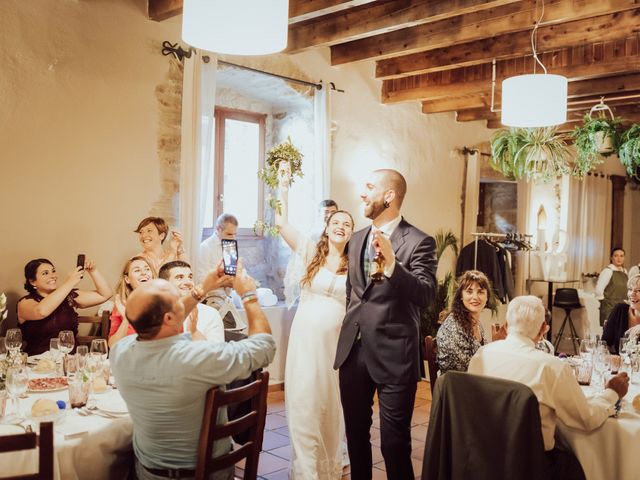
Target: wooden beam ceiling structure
(441, 52)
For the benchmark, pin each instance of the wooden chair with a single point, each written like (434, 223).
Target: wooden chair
(431, 354)
(27, 441)
(100, 328)
(253, 422)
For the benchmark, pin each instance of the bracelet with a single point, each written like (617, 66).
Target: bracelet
(249, 297)
(249, 300)
(197, 293)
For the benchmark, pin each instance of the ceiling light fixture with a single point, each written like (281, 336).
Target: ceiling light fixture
(534, 100)
(236, 27)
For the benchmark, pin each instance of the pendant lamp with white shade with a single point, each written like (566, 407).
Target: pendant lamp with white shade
(534, 100)
(236, 27)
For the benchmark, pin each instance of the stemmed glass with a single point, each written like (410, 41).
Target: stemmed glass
(17, 381)
(67, 341)
(99, 346)
(13, 341)
(54, 351)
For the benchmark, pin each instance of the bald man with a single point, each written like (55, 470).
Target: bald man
(163, 376)
(379, 343)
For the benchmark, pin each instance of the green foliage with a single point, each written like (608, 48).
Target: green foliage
(629, 151)
(539, 154)
(444, 288)
(587, 145)
(263, 228)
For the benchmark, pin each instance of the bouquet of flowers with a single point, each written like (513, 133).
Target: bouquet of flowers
(283, 159)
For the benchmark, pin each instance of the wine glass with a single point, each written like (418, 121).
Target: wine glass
(17, 381)
(601, 362)
(99, 346)
(67, 341)
(13, 340)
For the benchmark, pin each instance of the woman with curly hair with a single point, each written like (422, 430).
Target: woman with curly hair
(461, 333)
(312, 392)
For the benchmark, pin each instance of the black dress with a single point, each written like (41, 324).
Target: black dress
(616, 325)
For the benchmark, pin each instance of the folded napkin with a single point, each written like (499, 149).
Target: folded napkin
(72, 428)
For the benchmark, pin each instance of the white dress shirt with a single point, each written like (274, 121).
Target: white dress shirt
(387, 229)
(209, 323)
(551, 380)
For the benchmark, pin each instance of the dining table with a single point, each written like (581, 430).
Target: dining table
(88, 444)
(612, 450)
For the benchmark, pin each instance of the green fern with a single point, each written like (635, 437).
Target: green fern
(629, 151)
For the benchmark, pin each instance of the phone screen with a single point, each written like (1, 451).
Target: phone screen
(230, 256)
(80, 261)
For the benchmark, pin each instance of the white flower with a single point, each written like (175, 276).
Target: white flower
(3, 306)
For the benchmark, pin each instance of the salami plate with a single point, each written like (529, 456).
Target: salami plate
(48, 384)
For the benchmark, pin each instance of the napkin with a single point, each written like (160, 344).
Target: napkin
(72, 428)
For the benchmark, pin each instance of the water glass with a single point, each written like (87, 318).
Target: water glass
(93, 367)
(586, 348)
(78, 391)
(70, 363)
(13, 340)
(583, 373)
(99, 346)
(3, 348)
(616, 362)
(54, 352)
(3, 402)
(81, 356)
(17, 381)
(66, 341)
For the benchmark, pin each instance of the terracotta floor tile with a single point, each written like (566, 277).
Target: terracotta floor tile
(271, 464)
(273, 440)
(276, 396)
(282, 452)
(277, 406)
(419, 432)
(282, 431)
(420, 402)
(417, 449)
(378, 474)
(417, 466)
(420, 416)
(279, 475)
(275, 421)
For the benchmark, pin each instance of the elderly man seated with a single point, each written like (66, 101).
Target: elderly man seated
(551, 380)
(204, 322)
(163, 376)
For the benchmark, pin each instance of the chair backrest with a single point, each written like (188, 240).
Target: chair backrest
(483, 428)
(566, 297)
(431, 354)
(100, 328)
(253, 422)
(28, 441)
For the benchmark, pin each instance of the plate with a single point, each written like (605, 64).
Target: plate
(56, 418)
(40, 385)
(112, 405)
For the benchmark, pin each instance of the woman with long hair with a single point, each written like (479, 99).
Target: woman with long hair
(461, 333)
(136, 271)
(312, 394)
(49, 308)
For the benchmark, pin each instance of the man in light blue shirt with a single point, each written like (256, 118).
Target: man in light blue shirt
(163, 376)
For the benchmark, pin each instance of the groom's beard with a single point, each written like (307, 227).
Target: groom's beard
(374, 209)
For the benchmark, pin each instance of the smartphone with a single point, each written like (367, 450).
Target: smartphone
(230, 256)
(80, 261)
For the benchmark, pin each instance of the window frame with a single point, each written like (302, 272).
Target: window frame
(221, 114)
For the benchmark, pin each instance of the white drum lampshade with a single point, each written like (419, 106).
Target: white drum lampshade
(536, 100)
(236, 27)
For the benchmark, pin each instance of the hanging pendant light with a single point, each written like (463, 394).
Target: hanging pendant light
(236, 27)
(534, 100)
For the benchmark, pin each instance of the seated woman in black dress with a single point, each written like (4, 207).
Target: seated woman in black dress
(461, 333)
(48, 308)
(624, 316)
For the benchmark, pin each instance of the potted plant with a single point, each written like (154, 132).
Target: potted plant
(283, 157)
(597, 137)
(629, 151)
(538, 154)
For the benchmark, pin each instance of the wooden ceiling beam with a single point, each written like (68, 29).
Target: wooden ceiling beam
(304, 10)
(380, 18)
(576, 63)
(630, 116)
(596, 87)
(607, 20)
(471, 27)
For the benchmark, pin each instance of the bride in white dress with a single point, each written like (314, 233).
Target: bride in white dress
(312, 395)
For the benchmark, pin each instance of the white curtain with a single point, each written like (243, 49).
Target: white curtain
(589, 226)
(322, 138)
(198, 103)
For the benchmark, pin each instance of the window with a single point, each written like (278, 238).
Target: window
(238, 155)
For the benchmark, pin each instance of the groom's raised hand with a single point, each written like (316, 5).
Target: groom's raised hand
(382, 243)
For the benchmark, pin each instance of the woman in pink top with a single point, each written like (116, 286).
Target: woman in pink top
(135, 272)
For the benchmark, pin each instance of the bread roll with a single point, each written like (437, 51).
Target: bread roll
(45, 365)
(43, 407)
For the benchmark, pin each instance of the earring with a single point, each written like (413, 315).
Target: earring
(386, 204)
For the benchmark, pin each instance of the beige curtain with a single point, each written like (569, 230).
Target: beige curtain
(589, 226)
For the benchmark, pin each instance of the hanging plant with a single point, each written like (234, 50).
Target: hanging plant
(286, 157)
(597, 138)
(538, 154)
(629, 151)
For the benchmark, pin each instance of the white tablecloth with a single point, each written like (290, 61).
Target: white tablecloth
(280, 319)
(103, 452)
(611, 451)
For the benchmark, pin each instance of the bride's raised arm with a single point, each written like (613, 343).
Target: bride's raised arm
(289, 233)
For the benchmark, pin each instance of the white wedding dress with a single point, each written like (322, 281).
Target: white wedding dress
(312, 393)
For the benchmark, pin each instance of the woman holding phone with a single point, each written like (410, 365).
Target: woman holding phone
(48, 308)
(152, 232)
(314, 412)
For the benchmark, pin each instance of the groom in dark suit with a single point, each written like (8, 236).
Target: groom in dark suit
(378, 347)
